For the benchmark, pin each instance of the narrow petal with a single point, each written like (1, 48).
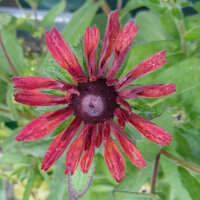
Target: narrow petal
(88, 154)
(124, 103)
(114, 159)
(121, 116)
(75, 150)
(91, 39)
(43, 125)
(150, 64)
(63, 55)
(98, 139)
(152, 91)
(123, 44)
(34, 83)
(37, 98)
(151, 131)
(127, 146)
(59, 144)
(110, 37)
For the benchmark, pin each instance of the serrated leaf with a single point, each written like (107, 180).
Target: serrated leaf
(50, 16)
(57, 72)
(62, 126)
(190, 183)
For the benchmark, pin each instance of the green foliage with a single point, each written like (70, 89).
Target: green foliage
(50, 16)
(162, 27)
(190, 183)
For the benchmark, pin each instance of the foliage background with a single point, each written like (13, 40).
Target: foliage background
(163, 24)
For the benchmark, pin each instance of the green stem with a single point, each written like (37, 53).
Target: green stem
(155, 171)
(5, 78)
(7, 57)
(181, 162)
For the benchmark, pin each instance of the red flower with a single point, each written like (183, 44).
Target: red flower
(94, 101)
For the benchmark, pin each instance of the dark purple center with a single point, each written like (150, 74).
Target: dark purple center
(96, 102)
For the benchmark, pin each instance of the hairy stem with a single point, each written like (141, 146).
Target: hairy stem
(105, 7)
(155, 171)
(181, 162)
(119, 4)
(7, 57)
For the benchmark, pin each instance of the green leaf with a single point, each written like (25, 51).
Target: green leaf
(62, 126)
(172, 175)
(192, 27)
(190, 183)
(79, 183)
(148, 49)
(187, 85)
(150, 28)
(29, 185)
(57, 72)
(14, 50)
(59, 182)
(177, 13)
(134, 4)
(79, 21)
(168, 22)
(11, 158)
(10, 103)
(50, 16)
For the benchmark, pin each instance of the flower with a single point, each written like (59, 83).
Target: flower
(94, 101)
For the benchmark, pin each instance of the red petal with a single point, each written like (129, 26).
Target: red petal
(124, 103)
(91, 39)
(37, 98)
(114, 159)
(110, 37)
(43, 125)
(122, 47)
(155, 90)
(75, 150)
(98, 139)
(88, 154)
(150, 64)
(63, 55)
(128, 147)
(151, 131)
(121, 117)
(34, 83)
(59, 144)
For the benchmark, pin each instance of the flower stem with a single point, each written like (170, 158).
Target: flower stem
(105, 7)
(7, 57)
(180, 161)
(155, 171)
(119, 4)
